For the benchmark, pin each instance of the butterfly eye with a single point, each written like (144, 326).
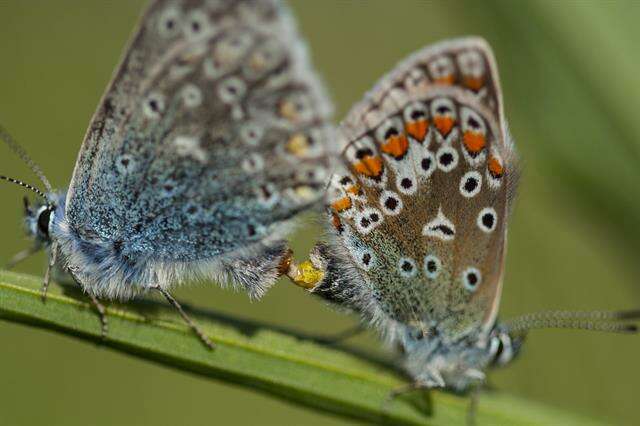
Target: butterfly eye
(407, 267)
(153, 105)
(418, 334)
(447, 158)
(470, 184)
(432, 266)
(487, 219)
(169, 22)
(471, 278)
(44, 218)
(231, 90)
(390, 203)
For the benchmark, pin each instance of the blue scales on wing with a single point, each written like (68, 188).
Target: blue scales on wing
(211, 137)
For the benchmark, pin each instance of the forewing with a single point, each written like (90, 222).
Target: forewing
(422, 202)
(213, 132)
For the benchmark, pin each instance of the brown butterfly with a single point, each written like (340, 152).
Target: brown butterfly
(419, 211)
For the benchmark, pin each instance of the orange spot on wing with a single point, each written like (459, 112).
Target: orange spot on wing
(335, 220)
(474, 83)
(369, 166)
(342, 204)
(474, 142)
(396, 146)
(444, 124)
(417, 129)
(448, 79)
(354, 189)
(495, 167)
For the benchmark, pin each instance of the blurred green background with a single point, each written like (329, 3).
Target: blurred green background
(569, 71)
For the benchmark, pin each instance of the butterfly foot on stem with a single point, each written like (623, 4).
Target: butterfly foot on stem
(405, 390)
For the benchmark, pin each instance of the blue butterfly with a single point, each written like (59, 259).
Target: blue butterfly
(212, 136)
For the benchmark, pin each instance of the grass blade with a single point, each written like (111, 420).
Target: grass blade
(279, 362)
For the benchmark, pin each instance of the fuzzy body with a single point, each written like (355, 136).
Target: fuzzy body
(122, 270)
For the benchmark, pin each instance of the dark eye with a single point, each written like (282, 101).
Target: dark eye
(43, 221)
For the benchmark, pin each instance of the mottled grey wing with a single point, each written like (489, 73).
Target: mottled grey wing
(211, 136)
(422, 202)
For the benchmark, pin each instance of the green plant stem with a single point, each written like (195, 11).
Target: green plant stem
(278, 362)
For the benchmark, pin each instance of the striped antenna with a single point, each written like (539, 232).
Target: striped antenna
(25, 185)
(608, 321)
(20, 152)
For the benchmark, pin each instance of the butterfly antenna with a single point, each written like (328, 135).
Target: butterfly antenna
(25, 185)
(20, 152)
(607, 321)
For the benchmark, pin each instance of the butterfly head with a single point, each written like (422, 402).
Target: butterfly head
(438, 362)
(38, 218)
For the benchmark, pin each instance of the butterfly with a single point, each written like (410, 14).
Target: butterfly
(211, 137)
(417, 217)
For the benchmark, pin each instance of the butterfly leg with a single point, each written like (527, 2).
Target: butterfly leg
(343, 335)
(24, 254)
(99, 307)
(203, 337)
(473, 406)
(47, 273)
(403, 390)
(102, 313)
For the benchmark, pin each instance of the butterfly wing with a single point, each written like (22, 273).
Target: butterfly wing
(212, 134)
(422, 202)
